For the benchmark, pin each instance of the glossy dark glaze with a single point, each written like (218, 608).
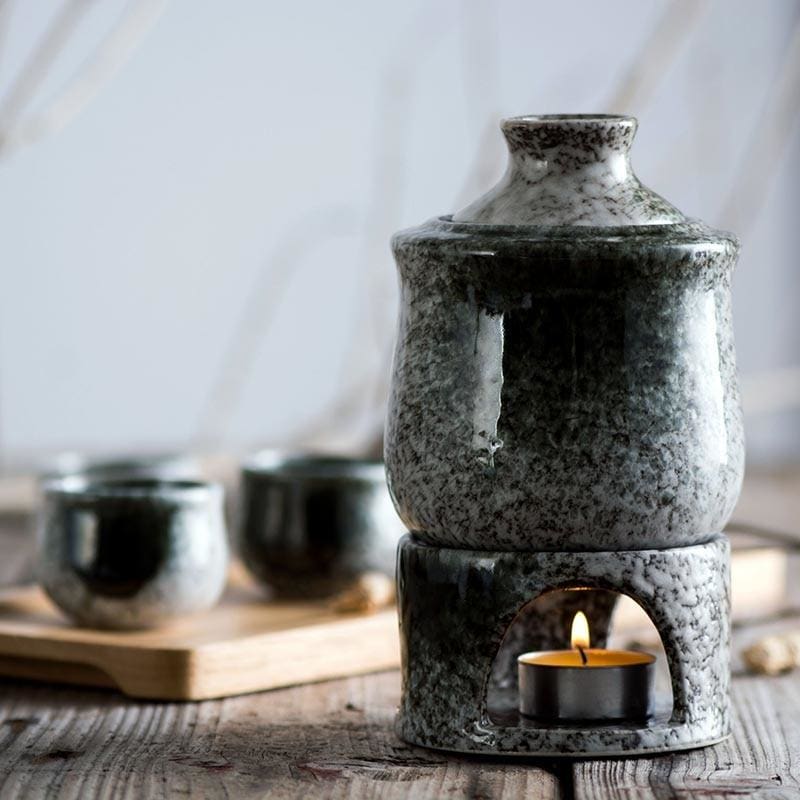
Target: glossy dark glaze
(133, 553)
(309, 525)
(565, 387)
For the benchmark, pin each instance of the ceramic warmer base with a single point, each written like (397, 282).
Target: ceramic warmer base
(457, 605)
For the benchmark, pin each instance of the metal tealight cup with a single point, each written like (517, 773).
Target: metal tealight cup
(571, 694)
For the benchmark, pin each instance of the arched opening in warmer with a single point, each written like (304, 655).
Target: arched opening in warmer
(616, 621)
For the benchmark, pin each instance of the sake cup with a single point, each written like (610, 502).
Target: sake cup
(132, 553)
(310, 524)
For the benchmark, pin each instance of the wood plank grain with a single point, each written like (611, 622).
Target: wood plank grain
(761, 760)
(241, 645)
(331, 740)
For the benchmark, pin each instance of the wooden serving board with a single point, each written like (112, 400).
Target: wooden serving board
(245, 644)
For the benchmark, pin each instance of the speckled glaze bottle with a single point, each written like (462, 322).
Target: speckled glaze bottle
(564, 376)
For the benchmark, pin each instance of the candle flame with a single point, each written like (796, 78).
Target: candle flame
(580, 631)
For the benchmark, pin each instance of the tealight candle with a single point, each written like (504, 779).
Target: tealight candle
(586, 684)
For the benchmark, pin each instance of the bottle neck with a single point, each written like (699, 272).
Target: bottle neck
(541, 145)
(569, 170)
(564, 162)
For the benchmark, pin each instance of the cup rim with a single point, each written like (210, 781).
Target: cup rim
(294, 466)
(87, 487)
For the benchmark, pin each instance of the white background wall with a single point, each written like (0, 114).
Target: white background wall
(200, 257)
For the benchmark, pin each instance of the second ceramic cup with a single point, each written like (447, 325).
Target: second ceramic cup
(134, 553)
(310, 524)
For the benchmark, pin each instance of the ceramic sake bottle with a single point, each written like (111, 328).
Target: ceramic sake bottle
(564, 375)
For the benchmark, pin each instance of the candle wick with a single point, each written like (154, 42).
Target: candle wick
(584, 657)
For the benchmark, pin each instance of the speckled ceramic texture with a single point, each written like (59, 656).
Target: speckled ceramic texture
(309, 525)
(570, 170)
(565, 387)
(456, 605)
(131, 554)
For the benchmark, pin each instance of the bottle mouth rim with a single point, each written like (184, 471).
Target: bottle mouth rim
(557, 120)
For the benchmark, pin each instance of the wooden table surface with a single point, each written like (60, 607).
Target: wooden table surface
(335, 739)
